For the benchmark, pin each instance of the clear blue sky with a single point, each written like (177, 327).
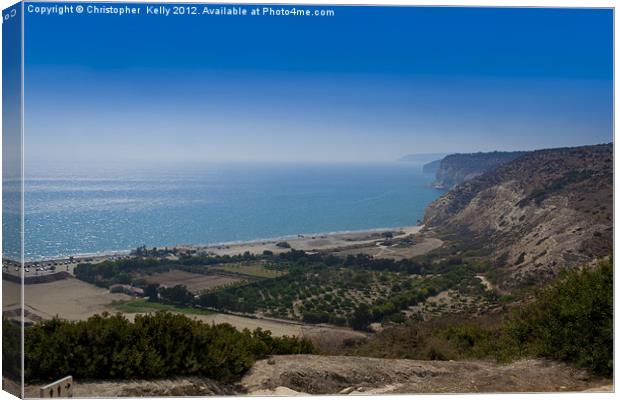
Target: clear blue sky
(370, 83)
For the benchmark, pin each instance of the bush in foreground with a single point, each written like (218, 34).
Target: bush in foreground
(571, 320)
(153, 346)
(11, 349)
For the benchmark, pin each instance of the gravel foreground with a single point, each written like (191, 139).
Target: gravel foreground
(359, 375)
(309, 374)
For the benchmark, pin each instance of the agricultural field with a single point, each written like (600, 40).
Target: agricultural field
(251, 269)
(355, 295)
(449, 302)
(314, 288)
(195, 283)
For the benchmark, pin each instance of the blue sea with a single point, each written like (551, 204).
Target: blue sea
(86, 209)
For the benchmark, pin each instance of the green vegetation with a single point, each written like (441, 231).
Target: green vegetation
(570, 320)
(153, 346)
(132, 270)
(11, 349)
(354, 291)
(316, 288)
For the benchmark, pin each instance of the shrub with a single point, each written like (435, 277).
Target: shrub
(11, 349)
(153, 346)
(571, 320)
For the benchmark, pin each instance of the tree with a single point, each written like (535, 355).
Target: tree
(361, 317)
(152, 292)
(177, 294)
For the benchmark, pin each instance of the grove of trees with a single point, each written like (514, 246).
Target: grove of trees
(152, 346)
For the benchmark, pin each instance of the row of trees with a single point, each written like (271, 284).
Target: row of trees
(153, 346)
(460, 277)
(129, 270)
(125, 271)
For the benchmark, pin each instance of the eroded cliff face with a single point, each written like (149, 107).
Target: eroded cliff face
(543, 211)
(431, 167)
(458, 168)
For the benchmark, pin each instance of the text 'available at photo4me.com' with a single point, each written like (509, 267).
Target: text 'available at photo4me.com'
(168, 10)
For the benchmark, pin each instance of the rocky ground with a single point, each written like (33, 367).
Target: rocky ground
(192, 386)
(309, 374)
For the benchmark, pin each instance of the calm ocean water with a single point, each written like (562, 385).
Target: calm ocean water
(87, 209)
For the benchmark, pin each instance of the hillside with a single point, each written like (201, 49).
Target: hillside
(535, 214)
(458, 168)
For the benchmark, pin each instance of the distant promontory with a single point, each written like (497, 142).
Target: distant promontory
(455, 169)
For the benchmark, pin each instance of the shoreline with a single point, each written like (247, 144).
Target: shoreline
(306, 240)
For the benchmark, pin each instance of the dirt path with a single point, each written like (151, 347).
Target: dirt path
(361, 375)
(316, 333)
(396, 252)
(485, 282)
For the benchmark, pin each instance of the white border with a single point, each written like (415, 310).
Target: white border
(479, 3)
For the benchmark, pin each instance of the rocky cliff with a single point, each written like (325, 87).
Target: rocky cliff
(545, 210)
(458, 168)
(431, 167)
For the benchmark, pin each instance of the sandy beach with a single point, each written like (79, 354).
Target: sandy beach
(314, 242)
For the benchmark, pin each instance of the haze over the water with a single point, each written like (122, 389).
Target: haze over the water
(369, 84)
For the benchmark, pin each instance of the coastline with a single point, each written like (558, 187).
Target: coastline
(301, 241)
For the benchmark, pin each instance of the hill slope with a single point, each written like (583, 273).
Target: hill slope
(542, 211)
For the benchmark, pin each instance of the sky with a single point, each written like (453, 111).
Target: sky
(367, 84)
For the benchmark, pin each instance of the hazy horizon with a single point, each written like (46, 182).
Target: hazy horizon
(369, 84)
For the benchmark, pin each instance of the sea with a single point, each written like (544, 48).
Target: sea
(78, 209)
